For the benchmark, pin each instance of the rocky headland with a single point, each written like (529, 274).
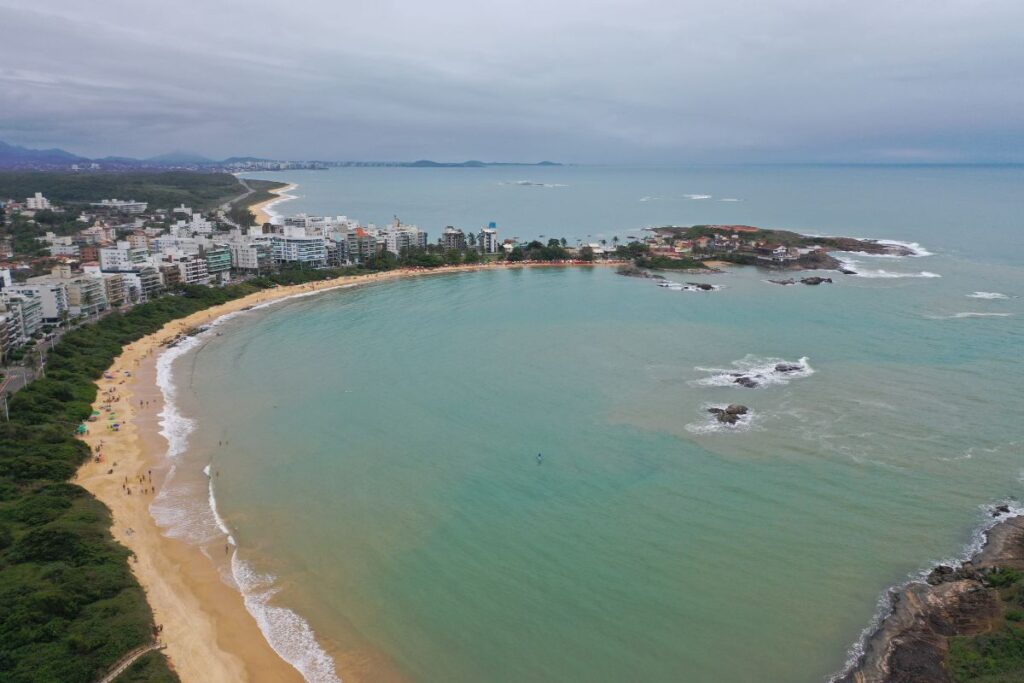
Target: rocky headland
(961, 623)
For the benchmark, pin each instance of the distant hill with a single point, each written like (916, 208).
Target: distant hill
(427, 163)
(14, 155)
(179, 158)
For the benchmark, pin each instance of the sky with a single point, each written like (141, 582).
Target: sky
(577, 81)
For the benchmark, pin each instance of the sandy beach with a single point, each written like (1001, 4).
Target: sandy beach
(259, 209)
(209, 635)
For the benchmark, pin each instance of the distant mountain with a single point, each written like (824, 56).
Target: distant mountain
(179, 158)
(14, 155)
(473, 163)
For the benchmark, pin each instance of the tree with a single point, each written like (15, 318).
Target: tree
(565, 243)
(471, 239)
(587, 253)
(553, 243)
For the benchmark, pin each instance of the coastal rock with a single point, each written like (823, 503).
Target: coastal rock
(633, 271)
(730, 414)
(788, 367)
(745, 381)
(847, 271)
(790, 281)
(703, 286)
(815, 280)
(1000, 510)
(912, 643)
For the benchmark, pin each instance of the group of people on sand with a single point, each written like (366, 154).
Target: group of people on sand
(143, 481)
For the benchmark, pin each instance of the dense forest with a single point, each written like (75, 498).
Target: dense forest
(164, 189)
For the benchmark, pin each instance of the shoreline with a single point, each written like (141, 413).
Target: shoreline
(908, 640)
(209, 629)
(262, 210)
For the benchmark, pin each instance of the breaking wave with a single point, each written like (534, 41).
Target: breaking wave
(758, 370)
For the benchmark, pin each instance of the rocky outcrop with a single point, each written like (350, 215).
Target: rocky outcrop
(703, 286)
(788, 367)
(729, 415)
(633, 271)
(912, 642)
(813, 280)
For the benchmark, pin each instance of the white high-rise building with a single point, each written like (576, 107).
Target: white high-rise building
(38, 202)
(487, 240)
(123, 258)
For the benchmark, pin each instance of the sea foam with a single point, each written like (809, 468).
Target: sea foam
(760, 369)
(987, 295)
(176, 510)
(288, 634)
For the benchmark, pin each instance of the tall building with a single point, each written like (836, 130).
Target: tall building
(453, 238)
(360, 245)
(53, 298)
(123, 258)
(294, 247)
(399, 237)
(27, 308)
(218, 262)
(487, 240)
(38, 202)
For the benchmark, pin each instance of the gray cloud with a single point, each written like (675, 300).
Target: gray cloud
(574, 80)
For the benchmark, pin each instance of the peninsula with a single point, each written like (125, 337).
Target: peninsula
(696, 245)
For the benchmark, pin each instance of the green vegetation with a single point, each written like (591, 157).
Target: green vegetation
(165, 189)
(997, 656)
(24, 230)
(666, 263)
(69, 606)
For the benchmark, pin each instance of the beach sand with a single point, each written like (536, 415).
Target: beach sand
(209, 634)
(258, 209)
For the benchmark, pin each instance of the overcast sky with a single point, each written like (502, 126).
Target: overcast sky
(588, 81)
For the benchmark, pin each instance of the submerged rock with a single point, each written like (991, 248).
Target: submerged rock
(745, 381)
(703, 286)
(788, 367)
(847, 271)
(790, 281)
(815, 280)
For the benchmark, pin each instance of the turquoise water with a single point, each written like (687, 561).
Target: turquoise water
(376, 447)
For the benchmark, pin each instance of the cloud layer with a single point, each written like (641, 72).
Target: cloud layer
(660, 81)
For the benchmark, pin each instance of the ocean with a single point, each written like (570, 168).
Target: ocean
(373, 452)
